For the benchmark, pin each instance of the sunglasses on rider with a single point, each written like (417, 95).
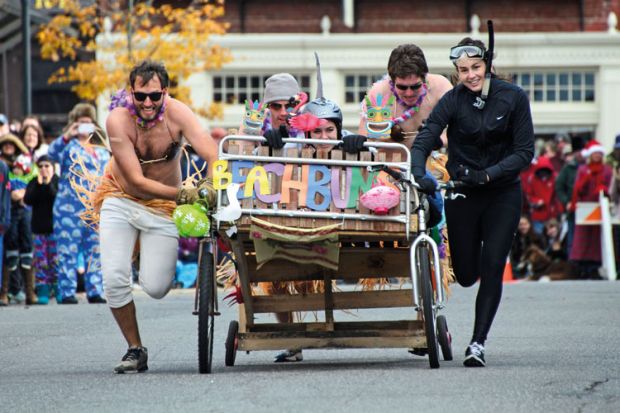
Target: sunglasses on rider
(412, 87)
(471, 51)
(278, 106)
(154, 96)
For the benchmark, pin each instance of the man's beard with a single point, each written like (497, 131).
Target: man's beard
(155, 113)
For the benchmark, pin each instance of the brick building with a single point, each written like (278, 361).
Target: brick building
(565, 54)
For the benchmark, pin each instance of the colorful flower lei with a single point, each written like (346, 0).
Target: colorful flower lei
(122, 99)
(408, 114)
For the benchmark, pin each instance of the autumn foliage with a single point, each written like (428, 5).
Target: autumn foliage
(120, 37)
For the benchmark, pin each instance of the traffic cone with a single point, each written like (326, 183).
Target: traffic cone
(508, 277)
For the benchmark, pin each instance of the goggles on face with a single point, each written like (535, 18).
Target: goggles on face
(471, 51)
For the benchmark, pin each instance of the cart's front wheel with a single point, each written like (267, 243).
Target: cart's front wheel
(232, 343)
(206, 309)
(444, 338)
(424, 278)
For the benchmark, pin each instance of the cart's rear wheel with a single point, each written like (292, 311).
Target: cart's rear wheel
(444, 338)
(206, 309)
(424, 278)
(232, 343)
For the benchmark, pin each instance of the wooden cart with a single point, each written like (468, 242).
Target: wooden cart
(371, 247)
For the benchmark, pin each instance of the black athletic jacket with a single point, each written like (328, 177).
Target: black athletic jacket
(498, 139)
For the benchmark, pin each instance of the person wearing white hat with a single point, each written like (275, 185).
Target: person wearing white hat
(592, 178)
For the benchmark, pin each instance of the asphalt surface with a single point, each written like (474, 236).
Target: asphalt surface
(554, 347)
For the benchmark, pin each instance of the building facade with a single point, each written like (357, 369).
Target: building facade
(565, 54)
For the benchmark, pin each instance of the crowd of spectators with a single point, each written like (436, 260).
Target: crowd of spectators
(564, 172)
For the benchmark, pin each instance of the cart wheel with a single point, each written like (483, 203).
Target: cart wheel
(206, 309)
(424, 266)
(232, 343)
(444, 338)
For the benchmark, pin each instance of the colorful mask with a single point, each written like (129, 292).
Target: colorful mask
(191, 220)
(379, 117)
(253, 117)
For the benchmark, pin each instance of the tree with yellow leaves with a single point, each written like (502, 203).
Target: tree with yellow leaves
(120, 37)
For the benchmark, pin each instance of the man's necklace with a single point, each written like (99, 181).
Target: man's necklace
(408, 114)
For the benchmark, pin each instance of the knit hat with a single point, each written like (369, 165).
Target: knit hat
(281, 86)
(592, 147)
(23, 162)
(44, 158)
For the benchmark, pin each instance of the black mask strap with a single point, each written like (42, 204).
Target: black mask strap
(481, 100)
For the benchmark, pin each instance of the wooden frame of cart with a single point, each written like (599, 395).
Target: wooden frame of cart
(298, 192)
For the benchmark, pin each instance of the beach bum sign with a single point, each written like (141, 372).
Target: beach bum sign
(315, 180)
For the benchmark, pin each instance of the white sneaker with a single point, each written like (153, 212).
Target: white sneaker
(474, 355)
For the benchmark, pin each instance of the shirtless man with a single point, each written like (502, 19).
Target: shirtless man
(416, 93)
(139, 191)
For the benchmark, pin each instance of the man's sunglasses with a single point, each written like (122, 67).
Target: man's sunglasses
(141, 96)
(412, 87)
(278, 106)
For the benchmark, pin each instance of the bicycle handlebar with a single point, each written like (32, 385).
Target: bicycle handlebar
(400, 177)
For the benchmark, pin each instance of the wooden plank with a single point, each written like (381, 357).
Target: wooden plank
(263, 151)
(395, 157)
(342, 300)
(246, 203)
(242, 318)
(253, 343)
(276, 182)
(364, 225)
(336, 154)
(355, 262)
(307, 153)
(339, 328)
(379, 226)
(350, 224)
(242, 268)
(329, 300)
(294, 194)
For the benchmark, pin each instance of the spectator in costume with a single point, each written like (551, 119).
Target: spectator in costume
(85, 141)
(592, 178)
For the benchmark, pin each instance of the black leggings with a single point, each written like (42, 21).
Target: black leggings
(481, 228)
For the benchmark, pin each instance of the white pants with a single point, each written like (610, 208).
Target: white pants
(121, 222)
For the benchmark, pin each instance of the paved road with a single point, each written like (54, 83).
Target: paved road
(554, 348)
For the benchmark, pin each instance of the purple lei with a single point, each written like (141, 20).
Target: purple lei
(122, 99)
(410, 110)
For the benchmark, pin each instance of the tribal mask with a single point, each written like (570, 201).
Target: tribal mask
(379, 117)
(253, 117)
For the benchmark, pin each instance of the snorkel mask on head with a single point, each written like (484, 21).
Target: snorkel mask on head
(379, 117)
(253, 117)
(473, 51)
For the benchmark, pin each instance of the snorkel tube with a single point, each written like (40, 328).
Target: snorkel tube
(481, 100)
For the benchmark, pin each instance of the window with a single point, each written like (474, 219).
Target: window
(556, 86)
(356, 85)
(235, 89)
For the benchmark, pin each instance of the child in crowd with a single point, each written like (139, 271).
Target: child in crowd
(40, 194)
(19, 238)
